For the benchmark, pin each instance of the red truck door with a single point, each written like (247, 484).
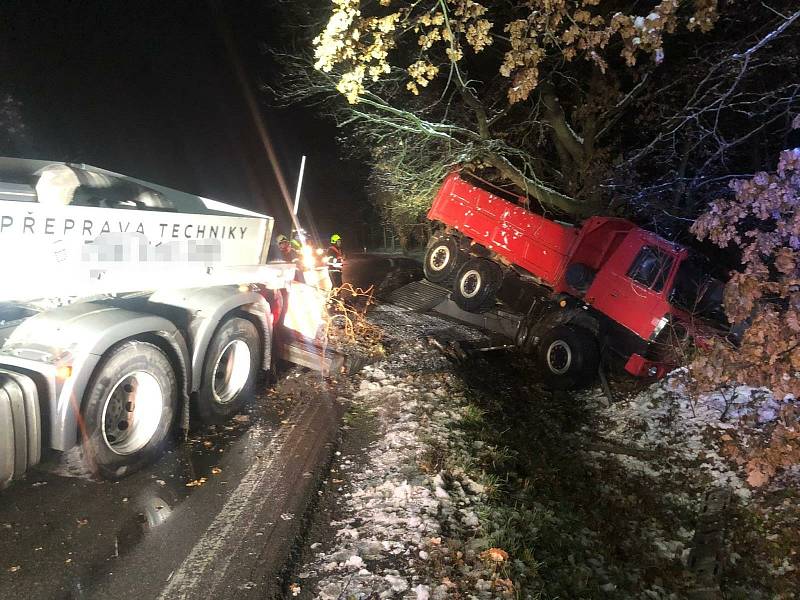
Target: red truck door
(631, 287)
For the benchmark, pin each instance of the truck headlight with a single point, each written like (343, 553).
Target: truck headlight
(308, 255)
(662, 322)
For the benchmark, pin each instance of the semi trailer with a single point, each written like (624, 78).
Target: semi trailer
(603, 290)
(127, 309)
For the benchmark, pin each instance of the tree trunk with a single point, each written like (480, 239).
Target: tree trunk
(546, 196)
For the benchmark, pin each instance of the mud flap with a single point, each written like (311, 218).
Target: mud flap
(20, 426)
(7, 442)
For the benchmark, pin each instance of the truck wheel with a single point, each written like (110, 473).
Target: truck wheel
(568, 357)
(129, 409)
(442, 260)
(476, 285)
(230, 370)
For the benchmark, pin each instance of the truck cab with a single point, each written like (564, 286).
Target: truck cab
(639, 284)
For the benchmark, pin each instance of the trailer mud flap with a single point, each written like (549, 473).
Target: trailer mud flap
(20, 426)
(7, 440)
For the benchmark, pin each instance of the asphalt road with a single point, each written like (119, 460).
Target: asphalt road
(383, 272)
(152, 536)
(229, 533)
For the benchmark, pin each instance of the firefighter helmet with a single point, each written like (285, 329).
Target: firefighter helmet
(336, 238)
(282, 238)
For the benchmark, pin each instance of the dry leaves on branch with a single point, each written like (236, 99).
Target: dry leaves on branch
(358, 45)
(346, 324)
(763, 221)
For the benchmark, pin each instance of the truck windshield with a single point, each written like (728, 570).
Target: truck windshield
(651, 268)
(698, 292)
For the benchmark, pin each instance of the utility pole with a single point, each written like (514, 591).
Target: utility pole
(297, 197)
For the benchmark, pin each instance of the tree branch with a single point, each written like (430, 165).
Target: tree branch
(546, 195)
(554, 116)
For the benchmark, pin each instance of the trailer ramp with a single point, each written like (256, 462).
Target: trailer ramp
(328, 361)
(424, 296)
(420, 295)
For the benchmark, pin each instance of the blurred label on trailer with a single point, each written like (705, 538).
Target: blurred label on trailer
(305, 309)
(36, 234)
(77, 250)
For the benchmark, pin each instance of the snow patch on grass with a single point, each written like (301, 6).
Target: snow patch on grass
(396, 514)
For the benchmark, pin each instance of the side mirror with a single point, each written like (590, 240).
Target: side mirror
(671, 296)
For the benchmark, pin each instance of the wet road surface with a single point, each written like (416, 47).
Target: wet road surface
(217, 516)
(225, 534)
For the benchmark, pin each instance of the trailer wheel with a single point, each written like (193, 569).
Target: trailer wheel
(476, 285)
(443, 258)
(568, 357)
(230, 370)
(129, 410)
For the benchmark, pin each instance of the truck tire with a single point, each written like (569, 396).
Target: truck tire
(230, 370)
(20, 425)
(129, 409)
(8, 440)
(443, 258)
(569, 357)
(476, 285)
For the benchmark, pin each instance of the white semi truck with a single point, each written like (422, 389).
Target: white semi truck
(125, 307)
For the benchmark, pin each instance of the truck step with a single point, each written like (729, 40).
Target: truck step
(419, 295)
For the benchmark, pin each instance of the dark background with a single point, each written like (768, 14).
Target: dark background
(150, 89)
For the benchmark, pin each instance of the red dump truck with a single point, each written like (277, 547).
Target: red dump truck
(605, 289)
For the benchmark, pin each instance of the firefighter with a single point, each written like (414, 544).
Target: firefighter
(288, 252)
(335, 260)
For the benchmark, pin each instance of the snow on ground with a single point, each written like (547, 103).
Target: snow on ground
(604, 498)
(396, 514)
(664, 418)
(675, 436)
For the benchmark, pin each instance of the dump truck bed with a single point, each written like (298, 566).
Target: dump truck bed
(528, 240)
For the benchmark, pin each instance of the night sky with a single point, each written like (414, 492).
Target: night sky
(148, 89)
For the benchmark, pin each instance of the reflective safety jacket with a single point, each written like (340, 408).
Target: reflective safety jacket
(335, 258)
